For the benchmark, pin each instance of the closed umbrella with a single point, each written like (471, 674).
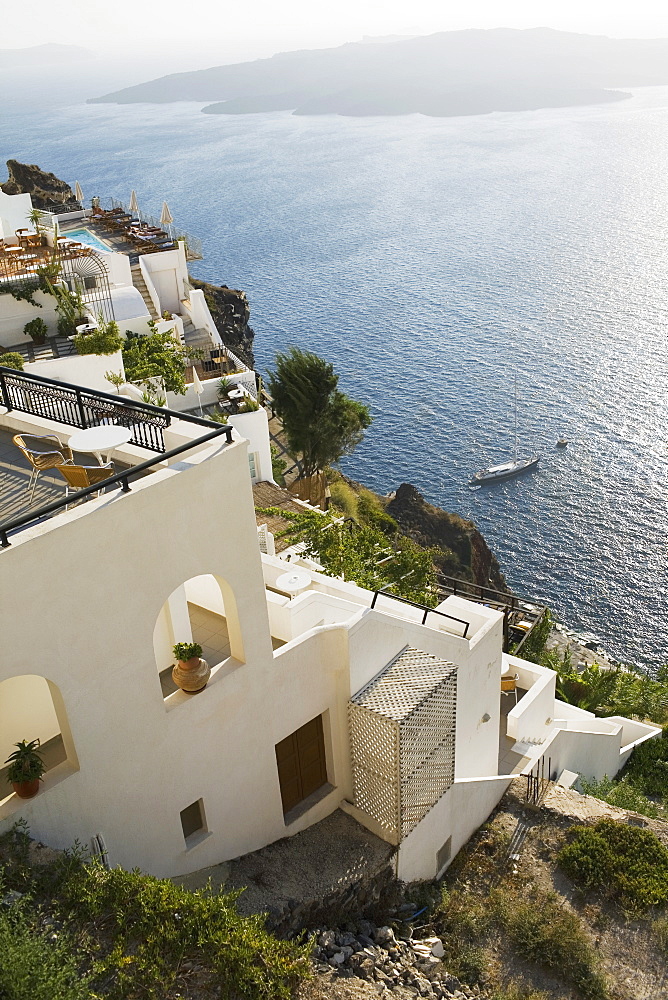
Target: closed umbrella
(166, 216)
(199, 389)
(78, 193)
(134, 207)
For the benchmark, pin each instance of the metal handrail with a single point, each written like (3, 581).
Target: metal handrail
(422, 607)
(121, 478)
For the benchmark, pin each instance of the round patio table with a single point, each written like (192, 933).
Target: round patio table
(293, 582)
(96, 440)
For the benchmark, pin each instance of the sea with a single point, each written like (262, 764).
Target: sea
(439, 263)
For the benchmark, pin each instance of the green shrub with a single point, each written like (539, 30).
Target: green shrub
(542, 931)
(660, 931)
(622, 794)
(629, 864)
(370, 511)
(647, 767)
(35, 965)
(12, 359)
(105, 340)
(155, 925)
(344, 498)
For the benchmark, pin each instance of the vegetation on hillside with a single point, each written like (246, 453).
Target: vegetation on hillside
(624, 863)
(321, 423)
(362, 553)
(155, 356)
(82, 930)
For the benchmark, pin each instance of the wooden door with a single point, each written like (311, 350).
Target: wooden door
(301, 763)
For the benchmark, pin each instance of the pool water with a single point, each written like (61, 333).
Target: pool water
(87, 238)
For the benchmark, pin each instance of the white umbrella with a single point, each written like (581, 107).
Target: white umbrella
(198, 387)
(134, 207)
(78, 193)
(166, 217)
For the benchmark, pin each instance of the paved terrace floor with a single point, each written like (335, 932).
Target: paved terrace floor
(15, 477)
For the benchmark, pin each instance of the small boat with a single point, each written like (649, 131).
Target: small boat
(562, 441)
(506, 470)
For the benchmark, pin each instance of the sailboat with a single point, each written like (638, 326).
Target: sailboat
(496, 473)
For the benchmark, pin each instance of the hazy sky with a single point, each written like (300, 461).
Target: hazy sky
(208, 31)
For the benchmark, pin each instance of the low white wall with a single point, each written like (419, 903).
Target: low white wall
(152, 290)
(592, 754)
(534, 712)
(458, 814)
(205, 592)
(162, 272)
(200, 314)
(14, 211)
(86, 370)
(14, 314)
(254, 426)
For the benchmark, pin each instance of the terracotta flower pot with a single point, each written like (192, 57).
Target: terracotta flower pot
(26, 789)
(191, 675)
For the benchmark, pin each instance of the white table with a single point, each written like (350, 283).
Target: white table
(293, 582)
(96, 440)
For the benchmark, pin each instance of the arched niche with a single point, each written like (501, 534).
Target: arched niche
(32, 707)
(202, 609)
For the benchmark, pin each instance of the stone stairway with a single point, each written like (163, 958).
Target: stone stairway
(140, 285)
(194, 338)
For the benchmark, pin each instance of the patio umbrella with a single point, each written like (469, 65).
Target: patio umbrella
(166, 216)
(134, 207)
(198, 387)
(78, 193)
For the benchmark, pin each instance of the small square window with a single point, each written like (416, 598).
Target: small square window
(90, 282)
(192, 820)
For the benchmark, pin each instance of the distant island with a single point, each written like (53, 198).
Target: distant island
(450, 73)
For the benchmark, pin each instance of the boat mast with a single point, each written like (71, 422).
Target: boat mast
(516, 418)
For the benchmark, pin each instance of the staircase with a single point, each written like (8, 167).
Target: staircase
(140, 285)
(194, 338)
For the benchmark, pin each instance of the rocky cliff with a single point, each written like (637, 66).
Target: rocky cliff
(466, 554)
(45, 189)
(231, 312)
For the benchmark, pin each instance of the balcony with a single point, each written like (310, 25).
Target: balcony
(36, 406)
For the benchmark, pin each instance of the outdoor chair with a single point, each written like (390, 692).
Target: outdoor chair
(509, 684)
(43, 452)
(79, 477)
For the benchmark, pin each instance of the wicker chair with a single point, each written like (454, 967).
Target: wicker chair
(45, 452)
(79, 477)
(509, 684)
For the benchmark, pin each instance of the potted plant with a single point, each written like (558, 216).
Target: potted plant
(191, 673)
(26, 767)
(36, 329)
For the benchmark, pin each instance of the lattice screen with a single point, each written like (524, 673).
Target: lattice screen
(402, 740)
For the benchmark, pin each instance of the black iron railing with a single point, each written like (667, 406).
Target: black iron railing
(538, 780)
(422, 607)
(77, 407)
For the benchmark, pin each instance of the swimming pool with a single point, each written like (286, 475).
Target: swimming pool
(87, 238)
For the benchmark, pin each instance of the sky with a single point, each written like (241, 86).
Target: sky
(207, 32)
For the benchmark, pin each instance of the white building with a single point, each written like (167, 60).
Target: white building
(322, 694)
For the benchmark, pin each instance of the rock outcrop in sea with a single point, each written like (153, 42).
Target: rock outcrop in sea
(466, 554)
(44, 188)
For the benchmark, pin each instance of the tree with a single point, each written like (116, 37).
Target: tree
(321, 423)
(156, 355)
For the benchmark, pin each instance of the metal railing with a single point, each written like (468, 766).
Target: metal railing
(77, 407)
(422, 607)
(538, 781)
(121, 479)
(87, 404)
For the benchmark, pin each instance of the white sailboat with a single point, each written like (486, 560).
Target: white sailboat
(506, 470)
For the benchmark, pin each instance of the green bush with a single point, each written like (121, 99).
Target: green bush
(35, 965)
(105, 340)
(278, 466)
(542, 931)
(627, 863)
(344, 498)
(12, 359)
(647, 767)
(155, 925)
(622, 794)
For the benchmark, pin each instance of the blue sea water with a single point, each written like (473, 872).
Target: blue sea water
(434, 261)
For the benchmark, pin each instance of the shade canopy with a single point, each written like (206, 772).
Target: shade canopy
(166, 216)
(78, 193)
(197, 385)
(134, 207)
